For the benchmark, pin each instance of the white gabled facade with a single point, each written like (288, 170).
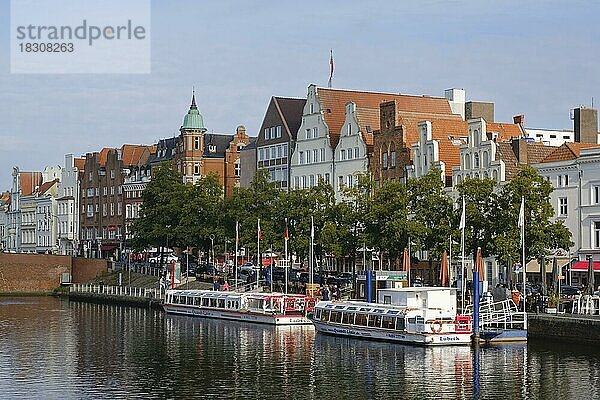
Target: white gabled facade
(312, 158)
(67, 208)
(564, 178)
(589, 171)
(351, 157)
(478, 156)
(426, 153)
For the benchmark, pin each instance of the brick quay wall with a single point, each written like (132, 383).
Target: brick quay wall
(41, 273)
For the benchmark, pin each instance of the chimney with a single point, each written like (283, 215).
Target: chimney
(519, 119)
(479, 109)
(585, 125)
(519, 147)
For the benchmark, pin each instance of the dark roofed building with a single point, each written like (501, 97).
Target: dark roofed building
(277, 137)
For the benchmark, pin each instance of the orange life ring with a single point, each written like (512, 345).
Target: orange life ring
(436, 326)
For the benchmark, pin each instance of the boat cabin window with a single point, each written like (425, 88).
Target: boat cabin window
(361, 319)
(221, 303)
(197, 301)
(420, 320)
(205, 302)
(387, 299)
(375, 321)
(190, 301)
(352, 308)
(319, 313)
(400, 324)
(348, 318)
(393, 312)
(412, 320)
(325, 316)
(213, 302)
(339, 307)
(387, 322)
(336, 316)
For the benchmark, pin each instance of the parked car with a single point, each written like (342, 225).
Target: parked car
(304, 277)
(166, 258)
(569, 290)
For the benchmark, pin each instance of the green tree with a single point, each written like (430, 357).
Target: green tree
(161, 210)
(541, 235)
(432, 214)
(388, 225)
(481, 212)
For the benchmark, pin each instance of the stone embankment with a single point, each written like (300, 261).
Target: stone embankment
(567, 328)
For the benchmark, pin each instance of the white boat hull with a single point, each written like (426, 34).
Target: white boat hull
(424, 339)
(233, 315)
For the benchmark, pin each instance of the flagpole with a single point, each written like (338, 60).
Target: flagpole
(237, 240)
(287, 263)
(311, 252)
(462, 249)
(258, 260)
(522, 222)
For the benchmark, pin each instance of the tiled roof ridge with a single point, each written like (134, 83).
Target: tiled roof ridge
(319, 88)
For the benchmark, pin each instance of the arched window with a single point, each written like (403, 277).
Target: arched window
(467, 161)
(476, 160)
(486, 159)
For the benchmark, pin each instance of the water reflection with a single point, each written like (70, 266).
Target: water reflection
(55, 349)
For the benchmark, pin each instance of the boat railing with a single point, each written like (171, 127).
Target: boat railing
(586, 304)
(124, 291)
(247, 287)
(499, 315)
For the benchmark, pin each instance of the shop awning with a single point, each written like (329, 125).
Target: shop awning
(583, 266)
(534, 265)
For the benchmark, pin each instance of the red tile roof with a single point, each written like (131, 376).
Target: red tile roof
(46, 186)
(79, 163)
(334, 103)
(131, 154)
(104, 155)
(5, 197)
(29, 182)
(568, 151)
(505, 131)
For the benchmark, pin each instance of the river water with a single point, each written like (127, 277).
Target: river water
(57, 349)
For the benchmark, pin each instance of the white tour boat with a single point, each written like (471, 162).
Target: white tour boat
(265, 308)
(424, 316)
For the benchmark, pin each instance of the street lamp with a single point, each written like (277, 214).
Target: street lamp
(212, 249)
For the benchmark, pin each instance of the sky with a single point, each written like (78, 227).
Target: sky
(538, 58)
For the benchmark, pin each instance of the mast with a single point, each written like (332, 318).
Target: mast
(311, 253)
(237, 239)
(462, 250)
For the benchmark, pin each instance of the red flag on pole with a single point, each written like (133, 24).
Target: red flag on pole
(331, 66)
(287, 234)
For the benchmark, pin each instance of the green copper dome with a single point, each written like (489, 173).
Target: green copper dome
(193, 119)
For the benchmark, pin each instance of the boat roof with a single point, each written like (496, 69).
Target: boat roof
(376, 308)
(418, 289)
(224, 294)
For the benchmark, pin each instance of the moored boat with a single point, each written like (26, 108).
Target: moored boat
(424, 316)
(265, 308)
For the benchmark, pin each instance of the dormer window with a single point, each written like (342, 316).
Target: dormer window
(349, 129)
(212, 148)
(312, 108)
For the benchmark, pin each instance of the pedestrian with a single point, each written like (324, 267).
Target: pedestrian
(226, 286)
(325, 293)
(216, 285)
(335, 293)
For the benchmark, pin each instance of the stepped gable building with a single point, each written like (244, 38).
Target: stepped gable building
(336, 139)
(199, 153)
(277, 137)
(101, 200)
(432, 133)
